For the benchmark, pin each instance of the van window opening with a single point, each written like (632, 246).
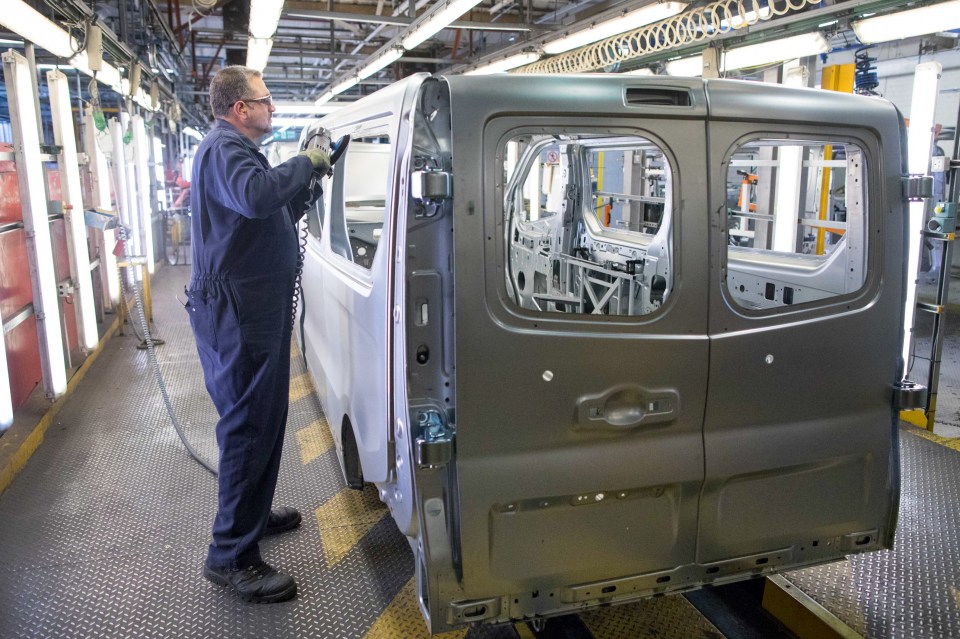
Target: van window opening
(588, 221)
(358, 203)
(796, 222)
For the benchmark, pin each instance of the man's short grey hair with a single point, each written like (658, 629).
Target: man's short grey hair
(229, 86)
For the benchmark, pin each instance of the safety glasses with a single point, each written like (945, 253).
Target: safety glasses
(266, 100)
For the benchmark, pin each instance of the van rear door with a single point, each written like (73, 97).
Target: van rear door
(581, 348)
(805, 326)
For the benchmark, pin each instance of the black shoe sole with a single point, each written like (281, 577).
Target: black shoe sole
(294, 523)
(277, 597)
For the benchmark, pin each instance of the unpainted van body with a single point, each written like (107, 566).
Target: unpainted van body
(597, 338)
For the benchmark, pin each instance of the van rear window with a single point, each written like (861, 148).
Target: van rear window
(796, 221)
(588, 222)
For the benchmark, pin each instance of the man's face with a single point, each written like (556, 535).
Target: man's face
(259, 113)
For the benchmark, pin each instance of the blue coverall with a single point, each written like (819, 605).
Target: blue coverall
(239, 302)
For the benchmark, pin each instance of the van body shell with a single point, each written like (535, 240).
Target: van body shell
(542, 462)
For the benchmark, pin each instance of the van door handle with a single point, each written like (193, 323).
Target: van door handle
(627, 406)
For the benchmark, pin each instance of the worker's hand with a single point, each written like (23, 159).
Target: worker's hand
(319, 159)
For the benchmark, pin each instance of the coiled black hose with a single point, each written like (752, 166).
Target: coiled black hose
(865, 74)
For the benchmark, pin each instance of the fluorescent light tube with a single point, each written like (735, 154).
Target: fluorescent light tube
(512, 62)
(303, 108)
(438, 20)
(923, 106)
(755, 55)
(264, 17)
(46, 302)
(258, 52)
(626, 22)
(692, 66)
(73, 207)
(28, 23)
(382, 61)
(643, 71)
(6, 401)
(142, 151)
(907, 24)
(323, 99)
(350, 82)
(193, 133)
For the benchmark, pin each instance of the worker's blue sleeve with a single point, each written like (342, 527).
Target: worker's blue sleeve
(250, 189)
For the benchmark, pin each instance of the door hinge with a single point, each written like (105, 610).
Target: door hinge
(431, 185)
(434, 445)
(909, 395)
(917, 187)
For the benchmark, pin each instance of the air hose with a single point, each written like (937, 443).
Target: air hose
(122, 231)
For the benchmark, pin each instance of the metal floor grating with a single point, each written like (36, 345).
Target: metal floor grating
(104, 532)
(912, 591)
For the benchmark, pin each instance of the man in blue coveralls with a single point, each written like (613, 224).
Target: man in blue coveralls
(240, 305)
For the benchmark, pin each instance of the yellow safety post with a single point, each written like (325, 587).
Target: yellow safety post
(836, 77)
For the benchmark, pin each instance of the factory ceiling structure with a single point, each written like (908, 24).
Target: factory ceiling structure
(314, 52)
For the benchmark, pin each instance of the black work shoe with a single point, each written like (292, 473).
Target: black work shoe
(258, 584)
(281, 520)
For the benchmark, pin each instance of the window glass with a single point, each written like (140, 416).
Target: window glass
(588, 220)
(796, 221)
(358, 201)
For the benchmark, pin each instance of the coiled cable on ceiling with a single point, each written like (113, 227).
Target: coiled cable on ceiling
(700, 24)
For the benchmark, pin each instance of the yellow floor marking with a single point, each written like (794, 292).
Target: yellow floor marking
(956, 596)
(346, 518)
(950, 442)
(300, 386)
(314, 440)
(402, 619)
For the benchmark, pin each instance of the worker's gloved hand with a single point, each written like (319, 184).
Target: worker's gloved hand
(319, 159)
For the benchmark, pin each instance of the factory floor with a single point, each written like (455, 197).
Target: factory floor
(104, 531)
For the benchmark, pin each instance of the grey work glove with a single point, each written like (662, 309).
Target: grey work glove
(319, 159)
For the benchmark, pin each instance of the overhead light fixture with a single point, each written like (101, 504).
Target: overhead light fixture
(692, 66)
(436, 21)
(10, 43)
(258, 52)
(323, 99)
(923, 106)
(391, 56)
(264, 18)
(933, 18)
(31, 25)
(755, 55)
(193, 133)
(287, 122)
(625, 22)
(511, 62)
(303, 108)
(343, 85)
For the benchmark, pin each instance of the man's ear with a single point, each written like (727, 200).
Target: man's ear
(239, 109)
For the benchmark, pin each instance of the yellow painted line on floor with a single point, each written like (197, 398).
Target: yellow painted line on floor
(952, 443)
(314, 440)
(300, 387)
(402, 619)
(346, 518)
(20, 442)
(523, 630)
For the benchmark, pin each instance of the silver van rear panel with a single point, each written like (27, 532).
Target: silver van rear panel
(597, 338)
